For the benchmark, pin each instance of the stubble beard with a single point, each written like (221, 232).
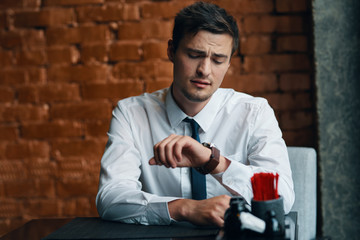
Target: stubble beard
(197, 96)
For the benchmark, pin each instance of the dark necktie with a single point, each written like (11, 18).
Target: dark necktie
(198, 181)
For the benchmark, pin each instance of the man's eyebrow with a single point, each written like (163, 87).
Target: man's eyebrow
(218, 55)
(195, 51)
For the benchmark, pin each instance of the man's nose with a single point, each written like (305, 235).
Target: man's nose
(204, 67)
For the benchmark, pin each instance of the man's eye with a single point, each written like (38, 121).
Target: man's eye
(217, 61)
(193, 55)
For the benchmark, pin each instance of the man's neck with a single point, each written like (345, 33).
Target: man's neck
(190, 108)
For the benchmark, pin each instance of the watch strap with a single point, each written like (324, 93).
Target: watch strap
(214, 160)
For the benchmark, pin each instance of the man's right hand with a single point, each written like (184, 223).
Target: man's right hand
(200, 212)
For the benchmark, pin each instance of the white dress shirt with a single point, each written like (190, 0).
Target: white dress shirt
(243, 128)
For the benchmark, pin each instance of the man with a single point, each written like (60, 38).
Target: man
(151, 155)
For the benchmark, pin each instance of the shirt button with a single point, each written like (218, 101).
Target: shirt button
(186, 171)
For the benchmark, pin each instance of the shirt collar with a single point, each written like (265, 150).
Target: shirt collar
(204, 118)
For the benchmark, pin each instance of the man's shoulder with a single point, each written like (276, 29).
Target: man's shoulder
(154, 98)
(235, 97)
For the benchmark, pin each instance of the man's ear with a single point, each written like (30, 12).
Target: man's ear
(171, 50)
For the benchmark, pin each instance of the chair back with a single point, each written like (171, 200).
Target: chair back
(303, 166)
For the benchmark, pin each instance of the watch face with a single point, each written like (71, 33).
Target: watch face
(212, 145)
(205, 144)
(208, 145)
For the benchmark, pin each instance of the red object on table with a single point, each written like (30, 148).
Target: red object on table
(265, 186)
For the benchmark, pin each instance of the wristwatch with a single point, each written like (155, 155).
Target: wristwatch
(210, 165)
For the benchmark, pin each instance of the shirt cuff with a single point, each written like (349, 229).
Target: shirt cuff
(236, 179)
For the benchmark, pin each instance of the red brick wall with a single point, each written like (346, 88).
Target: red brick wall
(65, 63)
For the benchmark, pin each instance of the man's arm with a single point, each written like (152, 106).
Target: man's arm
(120, 196)
(183, 151)
(266, 152)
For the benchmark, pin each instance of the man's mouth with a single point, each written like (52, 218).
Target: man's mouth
(200, 83)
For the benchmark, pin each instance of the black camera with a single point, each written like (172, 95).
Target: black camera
(240, 223)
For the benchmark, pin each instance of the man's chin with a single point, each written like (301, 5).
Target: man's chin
(196, 97)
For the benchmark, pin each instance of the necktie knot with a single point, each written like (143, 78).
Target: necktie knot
(194, 128)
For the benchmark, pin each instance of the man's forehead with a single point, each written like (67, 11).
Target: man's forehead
(220, 43)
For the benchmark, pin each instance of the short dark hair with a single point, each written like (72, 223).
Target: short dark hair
(204, 16)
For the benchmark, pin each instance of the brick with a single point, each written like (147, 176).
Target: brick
(72, 168)
(126, 70)
(112, 90)
(8, 132)
(149, 69)
(292, 6)
(247, 6)
(2, 151)
(83, 110)
(35, 57)
(50, 130)
(252, 83)
(10, 208)
(79, 74)
(6, 58)
(77, 148)
(5, 4)
(155, 49)
(273, 24)
(33, 39)
(79, 167)
(94, 53)
(13, 170)
(255, 44)
(79, 206)
(36, 75)
(27, 149)
(6, 94)
(10, 39)
(108, 13)
(26, 39)
(41, 168)
(12, 77)
(76, 188)
(3, 20)
(44, 18)
(2, 192)
(125, 51)
(70, 2)
(163, 9)
(292, 44)
(296, 120)
(48, 93)
(62, 55)
(235, 68)
(97, 128)
(75, 35)
(295, 82)
(23, 112)
(43, 207)
(152, 85)
(30, 188)
(147, 29)
(277, 63)
(288, 101)
(28, 94)
(59, 92)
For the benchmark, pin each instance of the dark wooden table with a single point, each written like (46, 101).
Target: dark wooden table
(95, 228)
(36, 229)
